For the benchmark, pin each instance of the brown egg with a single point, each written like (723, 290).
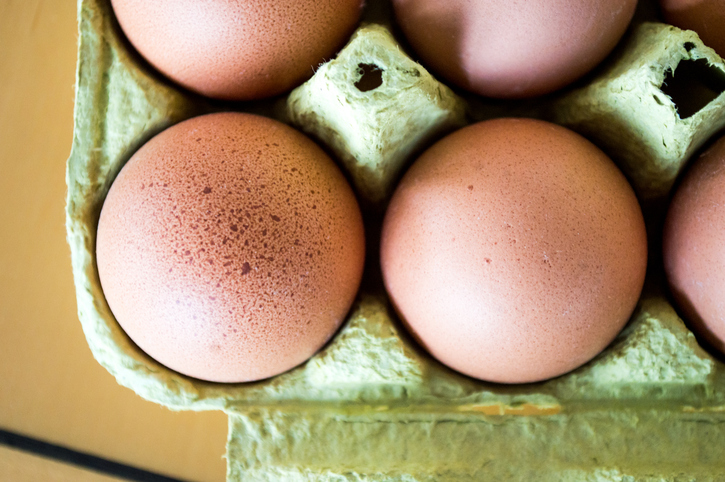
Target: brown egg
(500, 48)
(705, 17)
(514, 250)
(694, 246)
(230, 247)
(237, 49)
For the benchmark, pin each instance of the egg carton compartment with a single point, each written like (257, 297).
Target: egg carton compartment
(372, 405)
(653, 107)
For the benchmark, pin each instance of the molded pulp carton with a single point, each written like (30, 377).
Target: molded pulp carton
(372, 405)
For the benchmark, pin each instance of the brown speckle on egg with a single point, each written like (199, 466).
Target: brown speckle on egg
(226, 274)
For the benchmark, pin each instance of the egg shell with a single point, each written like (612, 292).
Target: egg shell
(694, 246)
(500, 48)
(230, 247)
(514, 250)
(237, 49)
(705, 17)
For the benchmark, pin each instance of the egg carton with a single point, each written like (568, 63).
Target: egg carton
(372, 405)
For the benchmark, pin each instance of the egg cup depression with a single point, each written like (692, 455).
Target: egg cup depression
(372, 405)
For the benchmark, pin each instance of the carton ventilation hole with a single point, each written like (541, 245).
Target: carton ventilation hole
(693, 85)
(371, 77)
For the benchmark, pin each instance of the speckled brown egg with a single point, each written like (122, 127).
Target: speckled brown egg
(694, 246)
(507, 49)
(230, 247)
(237, 49)
(705, 17)
(514, 250)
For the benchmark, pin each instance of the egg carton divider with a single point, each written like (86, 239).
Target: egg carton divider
(625, 111)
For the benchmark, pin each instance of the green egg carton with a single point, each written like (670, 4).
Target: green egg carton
(372, 405)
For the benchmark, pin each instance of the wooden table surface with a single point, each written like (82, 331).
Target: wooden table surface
(51, 388)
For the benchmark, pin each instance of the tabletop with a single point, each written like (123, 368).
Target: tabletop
(51, 389)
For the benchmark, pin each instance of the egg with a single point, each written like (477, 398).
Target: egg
(500, 48)
(694, 246)
(514, 250)
(237, 49)
(705, 17)
(230, 247)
